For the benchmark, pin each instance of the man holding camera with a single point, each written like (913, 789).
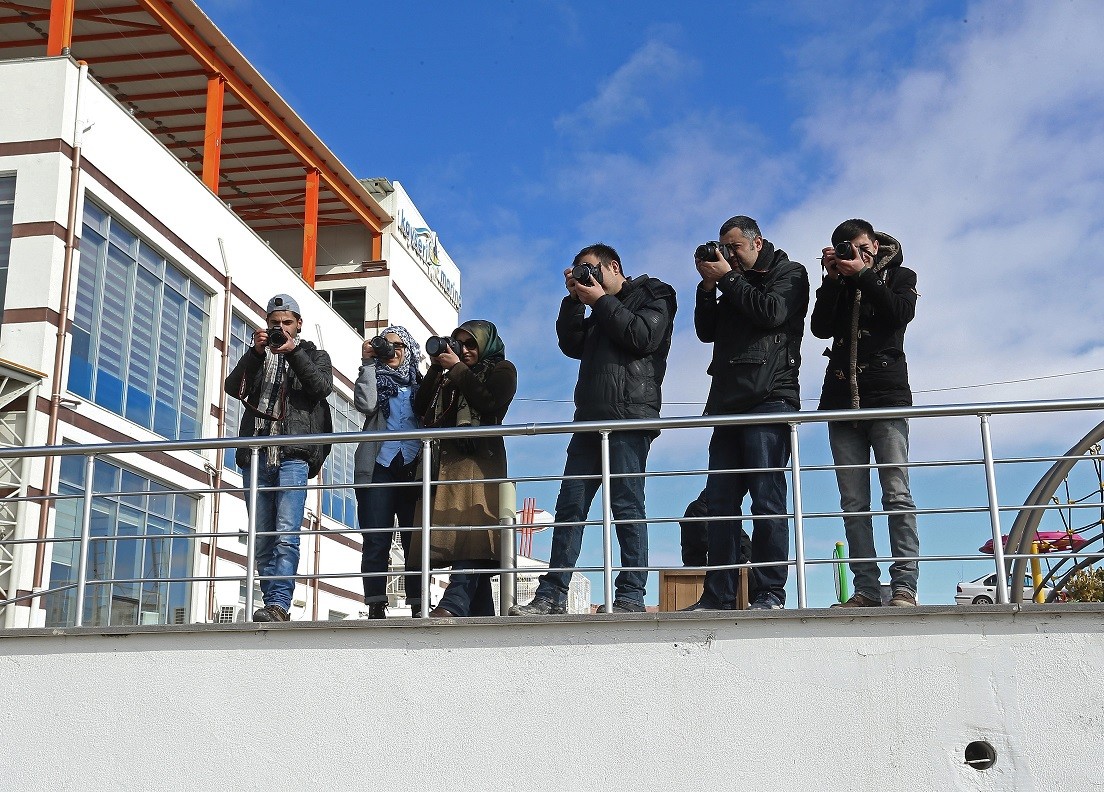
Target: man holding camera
(864, 304)
(751, 306)
(622, 347)
(283, 381)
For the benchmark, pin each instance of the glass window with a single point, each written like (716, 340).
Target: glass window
(7, 214)
(350, 305)
(139, 332)
(340, 504)
(130, 515)
(240, 335)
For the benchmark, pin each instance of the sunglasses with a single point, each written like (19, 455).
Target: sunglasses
(471, 344)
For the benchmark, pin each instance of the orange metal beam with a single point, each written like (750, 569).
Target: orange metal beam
(377, 247)
(164, 13)
(212, 135)
(61, 27)
(310, 228)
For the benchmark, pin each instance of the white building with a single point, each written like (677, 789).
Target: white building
(151, 201)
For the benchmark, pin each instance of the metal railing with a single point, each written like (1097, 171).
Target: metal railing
(798, 516)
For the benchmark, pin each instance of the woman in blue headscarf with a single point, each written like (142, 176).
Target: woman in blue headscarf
(472, 388)
(385, 391)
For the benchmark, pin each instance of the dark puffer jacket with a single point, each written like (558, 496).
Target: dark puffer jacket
(622, 347)
(755, 326)
(876, 343)
(305, 411)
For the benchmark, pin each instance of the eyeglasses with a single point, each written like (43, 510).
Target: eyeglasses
(397, 345)
(471, 344)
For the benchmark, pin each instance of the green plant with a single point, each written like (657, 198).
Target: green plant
(1086, 585)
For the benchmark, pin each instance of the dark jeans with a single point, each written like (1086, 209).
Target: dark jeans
(383, 508)
(470, 594)
(628, 454)
(762, 446)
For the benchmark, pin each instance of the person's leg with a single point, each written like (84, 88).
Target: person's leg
(376, 516)
(851, 446)
(572, 506)
(629, 454)
(406, 499)
(889, 439)
(768, 446)
(469, 593)
(290, 503)
(265, 522)
(724, 493)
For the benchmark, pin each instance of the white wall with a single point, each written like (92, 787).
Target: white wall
(801, 700)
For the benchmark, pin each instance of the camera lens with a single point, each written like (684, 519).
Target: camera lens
(436, 345)
(845, 251)
(582, 273)
(383, 348)
(706, 252)
(276, 337)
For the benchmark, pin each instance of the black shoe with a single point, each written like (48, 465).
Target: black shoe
(271, 613)
(441, 613)
(623, 606)
(377, 610)
(540, 606)
(767, 601)
(703, 605)
(415, 610)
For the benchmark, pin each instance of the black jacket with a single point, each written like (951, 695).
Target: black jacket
(755, 326)
(305, 411)
(622, 348)
(887, 305)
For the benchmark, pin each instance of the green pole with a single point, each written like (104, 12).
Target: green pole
(841, 574)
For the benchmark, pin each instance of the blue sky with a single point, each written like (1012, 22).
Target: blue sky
(524, 130)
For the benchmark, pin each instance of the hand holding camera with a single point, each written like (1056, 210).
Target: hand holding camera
(275, 339)
(711, 265)
(445, 351)
(584, 282)
(846, 259)
(378, 347)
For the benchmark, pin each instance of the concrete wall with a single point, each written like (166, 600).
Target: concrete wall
(826, 700)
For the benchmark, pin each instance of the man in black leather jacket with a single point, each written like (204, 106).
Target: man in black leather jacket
(751, 306)
(622, 347)
(864, 304)
(283, 385)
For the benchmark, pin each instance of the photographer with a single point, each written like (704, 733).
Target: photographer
(622, 347)
(751, 306)
(865, 302)
(471, 383)
(283, 382)
(385, 391)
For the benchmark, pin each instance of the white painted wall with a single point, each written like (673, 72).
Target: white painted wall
(820, 700)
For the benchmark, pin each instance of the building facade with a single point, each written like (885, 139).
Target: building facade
(129, 287)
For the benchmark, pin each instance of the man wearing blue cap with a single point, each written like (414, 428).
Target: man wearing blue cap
(283, 381)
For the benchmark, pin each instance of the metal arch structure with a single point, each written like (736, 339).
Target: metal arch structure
(16, 395)
(1027, 521)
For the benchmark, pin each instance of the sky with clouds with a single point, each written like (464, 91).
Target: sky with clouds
(970, 131)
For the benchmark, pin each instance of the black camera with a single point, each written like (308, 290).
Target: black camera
(436, 345)
(277, 337)
(586, 274)
(845, 251)
(383, 348)
(707, 252)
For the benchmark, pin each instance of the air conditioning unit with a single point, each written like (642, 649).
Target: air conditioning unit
(229, 614)
(180, 616)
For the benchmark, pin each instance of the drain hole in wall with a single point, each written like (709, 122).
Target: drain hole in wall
(980, 755)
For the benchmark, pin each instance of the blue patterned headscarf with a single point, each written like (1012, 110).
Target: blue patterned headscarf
(389, 380)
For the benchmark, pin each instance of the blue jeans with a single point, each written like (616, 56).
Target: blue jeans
(470, 594)
(759, 446)
(279, 510)
(628, 454)
(383, 508)
(851, 445)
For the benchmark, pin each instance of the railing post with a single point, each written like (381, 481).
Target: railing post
(251, 533)
(994, 510)
(86, 531)
(607, 527)
(507, 547)
(799, 527)
(427, 514)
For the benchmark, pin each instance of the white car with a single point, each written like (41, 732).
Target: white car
(983, 591)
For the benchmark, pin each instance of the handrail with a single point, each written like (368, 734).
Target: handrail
(799, 515)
